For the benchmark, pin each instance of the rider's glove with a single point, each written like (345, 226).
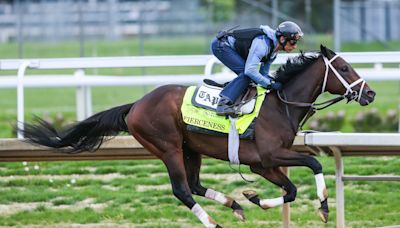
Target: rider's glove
(273, 85)
(276, 85)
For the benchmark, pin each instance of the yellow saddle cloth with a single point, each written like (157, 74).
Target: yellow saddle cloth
(207, 119)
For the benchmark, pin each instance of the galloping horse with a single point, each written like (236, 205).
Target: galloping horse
(156, 122)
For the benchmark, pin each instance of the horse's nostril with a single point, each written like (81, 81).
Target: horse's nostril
(371, 93)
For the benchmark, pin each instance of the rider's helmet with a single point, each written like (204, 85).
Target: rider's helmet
(290, 30)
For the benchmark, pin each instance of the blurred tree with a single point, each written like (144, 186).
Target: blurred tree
(220, 10)
(322, 15)
(321, 11)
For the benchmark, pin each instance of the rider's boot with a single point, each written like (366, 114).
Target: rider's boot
(225, 107)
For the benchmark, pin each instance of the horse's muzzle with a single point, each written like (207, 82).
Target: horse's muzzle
(367, 97)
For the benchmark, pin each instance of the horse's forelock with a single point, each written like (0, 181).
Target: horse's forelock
(294, 66)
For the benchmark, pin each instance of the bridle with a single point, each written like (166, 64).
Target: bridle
(350, 94)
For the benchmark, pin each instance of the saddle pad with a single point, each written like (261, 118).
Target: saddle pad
(207, 96)
(208, 119)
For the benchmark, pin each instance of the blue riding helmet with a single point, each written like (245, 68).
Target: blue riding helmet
(289, 30)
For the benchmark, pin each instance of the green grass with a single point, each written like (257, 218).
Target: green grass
(127, 47)
(144, 197)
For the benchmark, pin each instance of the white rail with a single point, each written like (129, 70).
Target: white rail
(83, 83)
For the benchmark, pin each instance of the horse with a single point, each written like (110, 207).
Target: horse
(156, 122)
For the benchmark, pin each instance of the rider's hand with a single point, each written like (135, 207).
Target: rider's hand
(276, 86)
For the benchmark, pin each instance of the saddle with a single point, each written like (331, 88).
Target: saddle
(207, 96)
(199, 105)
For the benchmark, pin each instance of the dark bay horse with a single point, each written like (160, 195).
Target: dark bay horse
(156, 122)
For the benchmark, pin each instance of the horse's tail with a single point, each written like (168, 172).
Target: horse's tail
(86, 135)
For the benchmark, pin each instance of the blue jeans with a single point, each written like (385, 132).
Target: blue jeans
(230, 58)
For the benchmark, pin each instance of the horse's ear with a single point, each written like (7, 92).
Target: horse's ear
(324, 50)
(327, 52)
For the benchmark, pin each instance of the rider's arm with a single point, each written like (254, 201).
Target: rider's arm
(257, 51)
(264, 68)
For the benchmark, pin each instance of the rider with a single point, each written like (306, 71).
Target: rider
(244, 49)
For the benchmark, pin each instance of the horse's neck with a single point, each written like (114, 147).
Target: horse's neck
(305, 87)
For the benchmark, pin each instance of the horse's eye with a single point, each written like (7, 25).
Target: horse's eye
(344, 69)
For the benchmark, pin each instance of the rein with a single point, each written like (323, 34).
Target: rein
(312, 107)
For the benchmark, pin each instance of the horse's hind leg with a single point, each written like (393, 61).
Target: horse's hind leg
(192, 165)
(173, 160)
(172, 156)
(155, 122)
(277, 177)
(181, 190)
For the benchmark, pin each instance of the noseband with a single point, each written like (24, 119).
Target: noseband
(350, 94)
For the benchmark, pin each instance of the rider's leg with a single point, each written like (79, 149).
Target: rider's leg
(236, 87)
(230, 58)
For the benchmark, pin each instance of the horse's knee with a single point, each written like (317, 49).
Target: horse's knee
(317, 167)
(291, 195)
(314, 164)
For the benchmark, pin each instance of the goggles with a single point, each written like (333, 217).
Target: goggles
(292, 42)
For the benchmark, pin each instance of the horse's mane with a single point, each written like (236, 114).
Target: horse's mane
(294, 66)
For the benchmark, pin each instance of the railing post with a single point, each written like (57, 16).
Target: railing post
(83, 98)
(209, 66)
(340, 222)
(20, 97)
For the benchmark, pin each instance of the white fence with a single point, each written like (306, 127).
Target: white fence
(83, 82)
(337, 145)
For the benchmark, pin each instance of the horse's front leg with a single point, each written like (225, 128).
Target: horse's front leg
(277, 177)
(286, 157)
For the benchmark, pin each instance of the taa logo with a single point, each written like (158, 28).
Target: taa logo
(213, 100)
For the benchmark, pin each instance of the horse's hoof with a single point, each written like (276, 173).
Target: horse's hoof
(239, 214)
(218, 226)
(250, 194)
(323, 211)
(323, 215)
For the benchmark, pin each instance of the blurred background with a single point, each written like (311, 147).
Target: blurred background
(80, 23)
(101, 28)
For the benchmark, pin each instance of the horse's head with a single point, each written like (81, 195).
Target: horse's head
(341, 78)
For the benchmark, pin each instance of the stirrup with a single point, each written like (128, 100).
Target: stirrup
(227, 110)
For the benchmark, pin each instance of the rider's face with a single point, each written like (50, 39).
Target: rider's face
(289, 47)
